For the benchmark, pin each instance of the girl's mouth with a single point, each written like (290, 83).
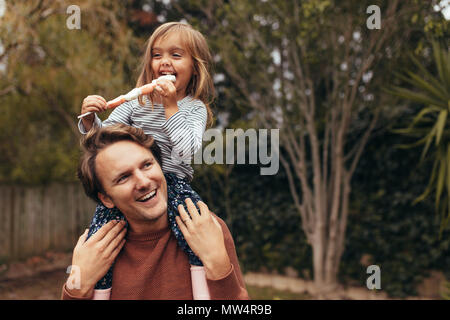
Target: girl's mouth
(165, 73)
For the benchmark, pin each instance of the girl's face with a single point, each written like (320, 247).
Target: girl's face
(169, 56)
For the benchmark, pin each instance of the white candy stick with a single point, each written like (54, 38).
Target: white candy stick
(133, 94)
(136, 92)
(169, 77)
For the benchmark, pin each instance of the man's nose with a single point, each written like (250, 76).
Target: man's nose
(142, 181)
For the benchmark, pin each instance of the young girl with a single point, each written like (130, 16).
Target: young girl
(175, 114)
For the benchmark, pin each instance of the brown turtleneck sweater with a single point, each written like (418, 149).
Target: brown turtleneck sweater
(151, 266)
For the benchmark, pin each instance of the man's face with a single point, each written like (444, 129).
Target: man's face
(134, 183)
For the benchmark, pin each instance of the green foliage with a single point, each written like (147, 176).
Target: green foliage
(430, 124)
(54, 68)
(268, 293)
(265, 225)
(51, 70)
(399, 237)
(383, 224)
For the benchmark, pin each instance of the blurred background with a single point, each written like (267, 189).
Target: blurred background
(358, 89)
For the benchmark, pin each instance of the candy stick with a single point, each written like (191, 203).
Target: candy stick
(133, 94)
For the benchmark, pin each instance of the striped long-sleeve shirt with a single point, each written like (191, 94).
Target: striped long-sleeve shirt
(179, 137)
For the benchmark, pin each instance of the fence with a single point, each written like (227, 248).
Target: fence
(34, 220)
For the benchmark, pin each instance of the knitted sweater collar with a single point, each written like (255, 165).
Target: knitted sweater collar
(147, 236)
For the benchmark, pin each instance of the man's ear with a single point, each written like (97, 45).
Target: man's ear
(107, 202)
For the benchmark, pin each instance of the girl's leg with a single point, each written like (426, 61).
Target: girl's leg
(101, 217)
(177, 191)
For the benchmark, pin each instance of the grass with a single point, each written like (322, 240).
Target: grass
(267, 293)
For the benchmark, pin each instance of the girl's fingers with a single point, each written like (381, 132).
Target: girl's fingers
(182, 226)
(96, 97)
(103, 231)
(204, 210)
(216, 222)
(112, 234)
(97, 100)
(116, 251)
(164, 83)
(167, 86)
(92, 103)
(192, 209)
(94, 107)
(184, 216)
(160, 90)
(82, 238)
(116, 242)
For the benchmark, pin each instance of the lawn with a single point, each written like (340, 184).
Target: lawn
(268, 293)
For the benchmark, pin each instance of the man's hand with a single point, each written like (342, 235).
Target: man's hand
(204, 235)
(95, 256)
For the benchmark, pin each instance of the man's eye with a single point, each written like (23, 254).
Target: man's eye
(122, 178)
(148, 165)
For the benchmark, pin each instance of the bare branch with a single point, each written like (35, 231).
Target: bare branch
(294, 193)
(362, 143)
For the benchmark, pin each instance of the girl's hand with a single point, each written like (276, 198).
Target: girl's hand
(204, 235)
(95, 256)
(92, 104)
(168, 93)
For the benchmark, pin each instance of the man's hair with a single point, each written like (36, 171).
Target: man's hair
(98, 139)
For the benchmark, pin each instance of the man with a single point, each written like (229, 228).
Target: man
(121, 167)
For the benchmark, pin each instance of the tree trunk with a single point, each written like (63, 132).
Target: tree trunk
(329, 223)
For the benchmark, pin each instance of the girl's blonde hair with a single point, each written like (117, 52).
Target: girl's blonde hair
(201, 85)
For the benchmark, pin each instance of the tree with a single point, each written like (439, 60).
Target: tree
(48, 70)
(314, 70)
(432, 89)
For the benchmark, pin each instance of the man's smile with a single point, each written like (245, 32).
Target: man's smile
(146, 197)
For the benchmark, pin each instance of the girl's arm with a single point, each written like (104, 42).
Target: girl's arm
(121, 114)
(185, 131)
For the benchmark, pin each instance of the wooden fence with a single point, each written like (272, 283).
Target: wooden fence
(34, 220)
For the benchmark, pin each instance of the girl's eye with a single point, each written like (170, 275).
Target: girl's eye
(177, 55)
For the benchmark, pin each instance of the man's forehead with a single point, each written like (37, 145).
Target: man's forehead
(119, 155)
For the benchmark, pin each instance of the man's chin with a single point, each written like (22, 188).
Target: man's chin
(154, 213)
